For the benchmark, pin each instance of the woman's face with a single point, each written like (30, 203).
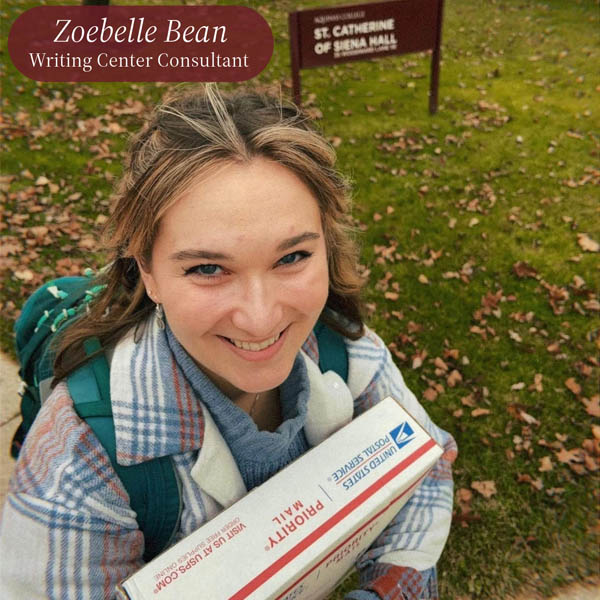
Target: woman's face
(240, 267)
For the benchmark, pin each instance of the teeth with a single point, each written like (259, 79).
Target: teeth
(255, 347)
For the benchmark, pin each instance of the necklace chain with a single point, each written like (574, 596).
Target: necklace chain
(254, 404)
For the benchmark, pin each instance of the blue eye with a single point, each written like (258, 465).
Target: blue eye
(294, 257)
(205, 270)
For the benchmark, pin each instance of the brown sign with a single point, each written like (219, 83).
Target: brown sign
(140, 43)
(346, 33)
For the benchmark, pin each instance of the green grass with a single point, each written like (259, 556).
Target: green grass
(516, 134)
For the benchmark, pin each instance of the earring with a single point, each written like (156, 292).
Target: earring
(160, 316)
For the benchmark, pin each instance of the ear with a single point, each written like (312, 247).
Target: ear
(149, 281)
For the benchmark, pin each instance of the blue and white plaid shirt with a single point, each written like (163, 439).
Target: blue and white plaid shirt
(68, 532)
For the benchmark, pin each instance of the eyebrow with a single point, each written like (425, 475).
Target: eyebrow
(209, 255)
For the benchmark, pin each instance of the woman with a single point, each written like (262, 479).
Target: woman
(229, 242)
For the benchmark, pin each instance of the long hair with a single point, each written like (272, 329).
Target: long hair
(186, 136)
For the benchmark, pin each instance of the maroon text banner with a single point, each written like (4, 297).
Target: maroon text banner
(140, 43)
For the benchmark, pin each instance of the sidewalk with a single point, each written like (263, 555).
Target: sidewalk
(9, 420)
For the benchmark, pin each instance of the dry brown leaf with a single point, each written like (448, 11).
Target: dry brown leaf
(468, 401)
(430, 394)
(522, 269)
(536, 484)
(517, 386)
(480, 412)
(514, 336)
(454, 378)
(391, 295)
(570, 456)
(440, 364)
(423, 279)
(591, 464)
(464, 495)
(486, 488)
(592, 406)
(24, 275)
(592, 305)
(528, 418)
(573, 386)
(536, 386)
(587, 243)
(377, 217)
(418, 358)
(546, 464)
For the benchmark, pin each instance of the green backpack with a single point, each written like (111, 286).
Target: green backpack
(152, 485)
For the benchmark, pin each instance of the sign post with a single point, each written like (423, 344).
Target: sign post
(329, 36)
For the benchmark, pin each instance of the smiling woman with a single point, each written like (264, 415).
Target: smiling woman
(230, 249)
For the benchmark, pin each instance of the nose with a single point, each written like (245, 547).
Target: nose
(258, 309)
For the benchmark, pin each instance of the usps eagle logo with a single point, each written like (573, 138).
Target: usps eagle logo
(403, 434)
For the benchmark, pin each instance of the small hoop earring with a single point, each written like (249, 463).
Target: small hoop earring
(160, 316)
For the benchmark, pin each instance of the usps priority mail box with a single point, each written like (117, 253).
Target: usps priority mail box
(298, 534)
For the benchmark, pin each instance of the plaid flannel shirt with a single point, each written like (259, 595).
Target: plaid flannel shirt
(68, 532)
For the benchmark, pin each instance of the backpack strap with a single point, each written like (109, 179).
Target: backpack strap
(333, 355)
(152, 486)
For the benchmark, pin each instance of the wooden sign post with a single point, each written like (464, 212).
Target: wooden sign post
(329, 36)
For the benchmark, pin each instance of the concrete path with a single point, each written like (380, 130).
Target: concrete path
(9, 420)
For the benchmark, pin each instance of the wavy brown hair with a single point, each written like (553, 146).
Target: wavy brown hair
(187, 135)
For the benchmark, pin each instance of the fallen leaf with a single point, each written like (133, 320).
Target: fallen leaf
(546, 464)
(522, 269)
(592, 406)
(592, 305)
(569, 456)
(464, 495)
(517, 386)
(423, 279)
(480, 412)
(527, 418)
(474, 221)
(486, 488)
(468, 401)
(536, 386)
(430, 394)
(418, 358)
(454, 378)
(514, 336)
(573, 386)
(536, 484)
(391, 295)
(24, 275)
(440, 364)
(587, 243)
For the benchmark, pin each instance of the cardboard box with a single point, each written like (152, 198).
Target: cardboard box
(297, 535)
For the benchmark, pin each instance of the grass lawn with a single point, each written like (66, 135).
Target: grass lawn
(479, 229)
